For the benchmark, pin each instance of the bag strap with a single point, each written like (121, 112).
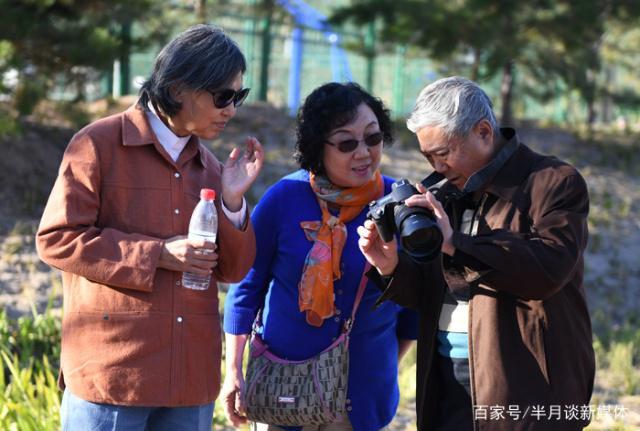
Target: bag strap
(348, 324)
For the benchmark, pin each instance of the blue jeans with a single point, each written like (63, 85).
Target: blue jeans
(78, 414)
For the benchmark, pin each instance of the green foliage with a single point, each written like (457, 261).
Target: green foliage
(29, 351)
(30, 337)
(618, 355)
(621, 364)
(539, 43)
(8, 125)
(27, 95)
(67, 41)
(629, 333)
(29, 396)
(74, 113)
(407, 376)
(6, 53)
(23, 227)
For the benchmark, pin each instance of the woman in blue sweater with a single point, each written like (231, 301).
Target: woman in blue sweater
(308, 265)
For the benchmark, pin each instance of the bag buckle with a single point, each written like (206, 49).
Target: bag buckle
(348, 324)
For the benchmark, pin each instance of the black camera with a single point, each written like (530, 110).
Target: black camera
(420, 235)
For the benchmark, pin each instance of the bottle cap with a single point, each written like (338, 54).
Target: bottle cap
(208, 194)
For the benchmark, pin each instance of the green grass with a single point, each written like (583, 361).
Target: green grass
(30, 348)
(29, 397)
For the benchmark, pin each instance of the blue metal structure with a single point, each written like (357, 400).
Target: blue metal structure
(306, 16)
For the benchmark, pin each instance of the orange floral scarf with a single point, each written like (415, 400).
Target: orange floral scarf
(322, 264)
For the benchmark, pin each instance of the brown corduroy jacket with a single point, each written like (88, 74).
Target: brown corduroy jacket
(131, 335)
(530, 346)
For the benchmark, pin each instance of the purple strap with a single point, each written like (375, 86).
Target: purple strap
(363, 284)
(348, 324)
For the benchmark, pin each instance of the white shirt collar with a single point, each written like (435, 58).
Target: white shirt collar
(172, 143)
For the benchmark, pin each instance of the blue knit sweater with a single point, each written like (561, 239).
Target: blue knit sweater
(273, 283)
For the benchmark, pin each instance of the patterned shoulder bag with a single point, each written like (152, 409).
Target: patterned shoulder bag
(295, 393)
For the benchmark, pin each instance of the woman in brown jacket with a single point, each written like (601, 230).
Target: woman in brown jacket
(505, 341)
(140, 351)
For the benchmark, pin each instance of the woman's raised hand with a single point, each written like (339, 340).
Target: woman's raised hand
(240, 172)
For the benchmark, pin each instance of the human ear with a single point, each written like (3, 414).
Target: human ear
(484, 130)
(176, 93)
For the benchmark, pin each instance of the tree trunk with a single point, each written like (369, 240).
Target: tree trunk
(201, 11)
(606, 97)
(475, 67)
(124, 57)
(506, 89)
(591, 113)
(268, 7)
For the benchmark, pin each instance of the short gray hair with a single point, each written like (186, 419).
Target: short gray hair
(455, 104)
(202, 57)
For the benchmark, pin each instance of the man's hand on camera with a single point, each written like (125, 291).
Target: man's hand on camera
(384, 256)
(427, 200)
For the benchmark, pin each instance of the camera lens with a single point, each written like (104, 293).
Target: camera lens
(420, 235)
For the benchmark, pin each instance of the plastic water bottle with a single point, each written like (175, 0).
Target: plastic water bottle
(203, 224)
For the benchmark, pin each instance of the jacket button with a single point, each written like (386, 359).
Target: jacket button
(336, 319)
(338, 312)
(178, 283)
(177, 175)
(349, 408)
(179, 319)
(177, 211)
(348, 401)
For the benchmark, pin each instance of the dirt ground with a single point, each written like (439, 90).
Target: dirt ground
(612, 275)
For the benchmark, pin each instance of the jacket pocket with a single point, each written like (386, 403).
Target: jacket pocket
(532, 323)
(137, 209)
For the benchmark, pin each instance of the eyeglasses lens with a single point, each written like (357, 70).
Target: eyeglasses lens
(350, 145)
(224, 98)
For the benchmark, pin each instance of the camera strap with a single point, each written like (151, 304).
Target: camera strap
(431, 180)
(435, 178)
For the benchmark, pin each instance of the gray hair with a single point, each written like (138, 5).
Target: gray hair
(200, 58)
(455, 104)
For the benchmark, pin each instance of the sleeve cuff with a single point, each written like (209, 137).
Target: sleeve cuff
(236, 218)
(238, 322)
(381, 281)
(458, 240)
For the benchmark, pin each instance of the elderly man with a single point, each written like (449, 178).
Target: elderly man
(505, 340)
(140, 351)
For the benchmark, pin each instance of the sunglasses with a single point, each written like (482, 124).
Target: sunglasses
(224, 98)
(350, 145)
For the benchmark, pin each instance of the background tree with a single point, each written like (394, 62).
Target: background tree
(65, 41)
(549, 40)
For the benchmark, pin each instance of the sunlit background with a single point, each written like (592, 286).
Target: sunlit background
(564, 72)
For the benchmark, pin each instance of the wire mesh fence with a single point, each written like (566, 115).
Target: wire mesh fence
(395, 74)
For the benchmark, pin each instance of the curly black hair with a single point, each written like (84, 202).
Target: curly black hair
(328, 107)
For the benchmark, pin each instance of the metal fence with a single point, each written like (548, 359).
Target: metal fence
(397, 78)
(398, 74)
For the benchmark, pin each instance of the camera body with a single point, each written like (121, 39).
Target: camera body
(420, 235)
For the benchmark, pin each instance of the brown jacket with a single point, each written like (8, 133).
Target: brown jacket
(131, 334)
(529, 329)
